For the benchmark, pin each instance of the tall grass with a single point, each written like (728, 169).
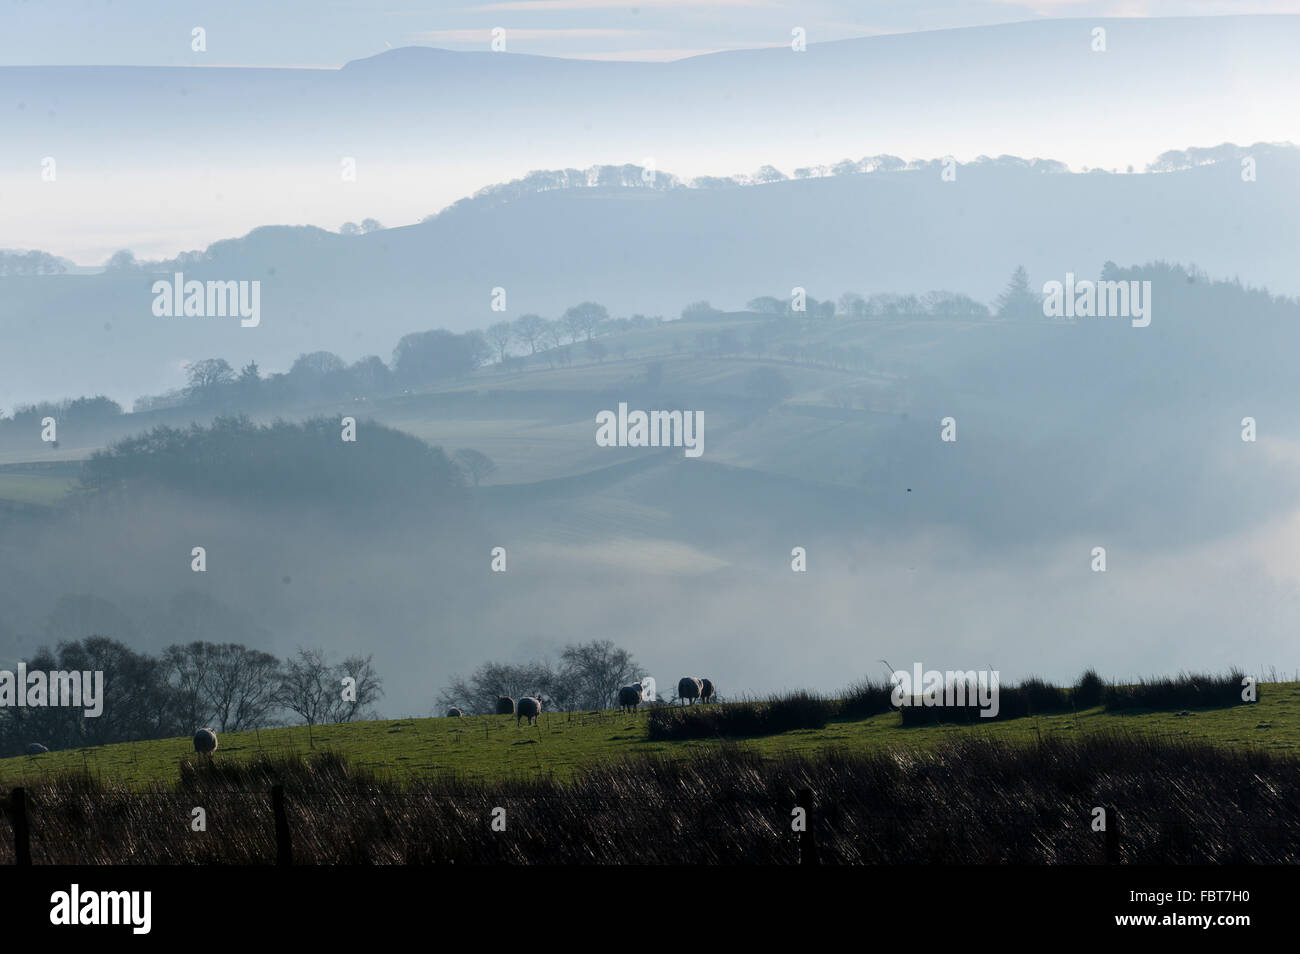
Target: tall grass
(1030, 697)
(750, 717)
(1033, 696)
(972, 800)
(1184, 691)
(865, 699)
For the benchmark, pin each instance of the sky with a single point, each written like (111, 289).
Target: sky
(312, 33)
(157, 192)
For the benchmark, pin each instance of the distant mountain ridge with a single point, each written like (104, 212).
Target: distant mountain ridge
(653, 252)
(427, 127)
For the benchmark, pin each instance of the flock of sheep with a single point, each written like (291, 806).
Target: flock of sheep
(689, 689)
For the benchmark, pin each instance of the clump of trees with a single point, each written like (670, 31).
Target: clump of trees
(318, 692)
(548, 180)
(30, 263)
(88, 411)
(420, 361)
(932, 304)
(367, 226)
(279, 463)
(227, 686)
(586, 676)
(423, 359)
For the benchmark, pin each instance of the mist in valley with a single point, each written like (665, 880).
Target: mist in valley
(905, 459)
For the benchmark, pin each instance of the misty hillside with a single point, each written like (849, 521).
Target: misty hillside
(822, 430)
(1071, 434)
(652, 251)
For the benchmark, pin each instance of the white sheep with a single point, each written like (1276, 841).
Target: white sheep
(505, 705)
(706, 690)
(629, 697)
(529, 708)
(205, 741)
(688, 687)
(36, 749)
(454, 713)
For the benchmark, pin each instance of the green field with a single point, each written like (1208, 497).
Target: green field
(493, 747)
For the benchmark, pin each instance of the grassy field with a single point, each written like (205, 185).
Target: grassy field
(40, 490)
(492, 748)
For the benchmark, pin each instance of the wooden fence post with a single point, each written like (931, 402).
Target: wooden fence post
(807, 840)
(1112, 835)
(22, 844)
(283, 844)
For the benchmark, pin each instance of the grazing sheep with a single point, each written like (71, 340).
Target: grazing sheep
(529, 708)
(706, 690)
(505, 705)
(205, 741)
(36, 749)
(629, 697)
(454, 713)
(688, 687)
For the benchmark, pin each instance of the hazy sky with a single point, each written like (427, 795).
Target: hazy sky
(174, 183)
(328, 34)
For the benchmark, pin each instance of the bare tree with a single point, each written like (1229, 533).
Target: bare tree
(588, 677)
(529, 329)
(477, 694)
(242, 685)
(207, 376)
(499, 336)
(595, 671)
(554, 333)
(189, 671)
(353, 701)
(306, 687)
(584, 319)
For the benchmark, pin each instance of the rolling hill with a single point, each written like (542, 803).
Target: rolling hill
(489, 748)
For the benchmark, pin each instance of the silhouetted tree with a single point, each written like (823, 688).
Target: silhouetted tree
(529, 329)
(584, 319)
(138, 702)
(593, 672)
(499, 337)
(123, 261)
(207, 378)
(306, 686)
(475, 463)
(1019, 301)
(428, 357)
(224, 685)
(358, 688)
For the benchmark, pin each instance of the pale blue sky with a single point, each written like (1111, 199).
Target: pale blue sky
(328, 33)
